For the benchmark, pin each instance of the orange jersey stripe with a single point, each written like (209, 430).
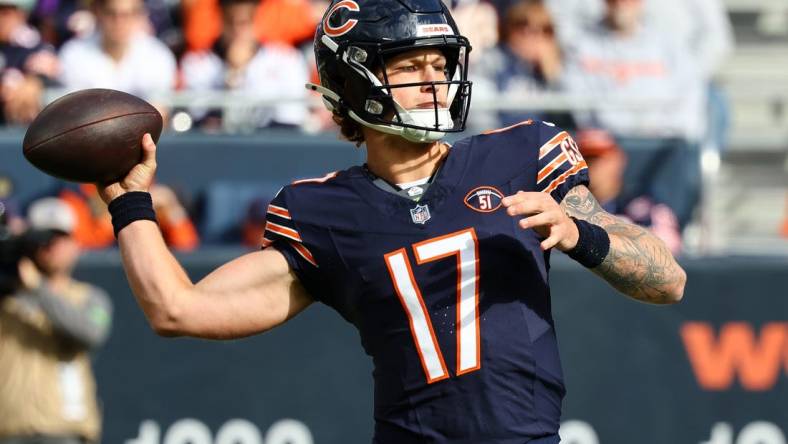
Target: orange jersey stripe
(278, 211)
(282, 230)
(562, 178)
(551, 167)
(552, 143)
(500, 130)
(304, 252)
(316, 180)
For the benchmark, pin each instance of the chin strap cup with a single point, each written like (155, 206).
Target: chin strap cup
(417, 117)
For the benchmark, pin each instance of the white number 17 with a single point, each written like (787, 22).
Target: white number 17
(464, 246)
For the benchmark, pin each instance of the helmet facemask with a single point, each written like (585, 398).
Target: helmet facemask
(369, 100)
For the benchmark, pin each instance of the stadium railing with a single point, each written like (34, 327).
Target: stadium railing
(758, 130)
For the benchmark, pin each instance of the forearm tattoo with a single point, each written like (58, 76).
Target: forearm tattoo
(638, 264)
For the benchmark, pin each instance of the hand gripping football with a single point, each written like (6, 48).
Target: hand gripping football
(93, 135)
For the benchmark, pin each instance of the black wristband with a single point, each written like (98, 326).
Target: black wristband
(130, 207)
(593, 244)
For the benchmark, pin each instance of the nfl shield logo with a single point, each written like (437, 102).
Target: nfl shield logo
(420, 214)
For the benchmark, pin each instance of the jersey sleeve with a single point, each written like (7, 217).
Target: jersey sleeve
(282, 233)
(561, 166)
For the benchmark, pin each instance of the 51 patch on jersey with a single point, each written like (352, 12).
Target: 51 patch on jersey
(484, 199)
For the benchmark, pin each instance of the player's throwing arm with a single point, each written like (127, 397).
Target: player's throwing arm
(249, 295)
(627, 256)
(99, 143)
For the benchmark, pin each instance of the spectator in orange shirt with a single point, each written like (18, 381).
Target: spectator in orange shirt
(93, 225)
(289, 22)
(274, 74)
(253, 227)
(285, 21)
(176, 227)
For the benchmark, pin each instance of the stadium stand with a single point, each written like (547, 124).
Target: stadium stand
(225, 203)
(225, 176)
(745, 188)
(743, 168)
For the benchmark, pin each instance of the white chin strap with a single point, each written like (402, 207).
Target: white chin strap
(418, 117)
(427, 118)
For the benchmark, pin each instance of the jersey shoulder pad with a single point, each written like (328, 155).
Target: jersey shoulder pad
(529, 134)
(290, 227)
(313, 200)
(316, 180)
(560, 164)
(524, 123)
(514, 147)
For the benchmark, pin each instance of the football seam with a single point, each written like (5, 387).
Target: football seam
(34, 147)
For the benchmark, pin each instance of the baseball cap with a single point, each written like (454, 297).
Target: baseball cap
(49, 217)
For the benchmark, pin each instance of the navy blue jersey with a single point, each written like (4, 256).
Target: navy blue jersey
(449, 295)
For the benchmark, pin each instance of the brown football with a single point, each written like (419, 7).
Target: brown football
(93, 135)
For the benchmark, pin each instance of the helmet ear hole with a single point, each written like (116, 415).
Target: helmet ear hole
(374, 107)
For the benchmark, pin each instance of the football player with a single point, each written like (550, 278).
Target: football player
(437, 253)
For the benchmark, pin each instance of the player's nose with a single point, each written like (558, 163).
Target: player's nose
(430, 74)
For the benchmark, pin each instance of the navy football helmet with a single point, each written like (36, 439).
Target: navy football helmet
(357, 37)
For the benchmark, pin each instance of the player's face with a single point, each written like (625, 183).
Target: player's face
(421, 65)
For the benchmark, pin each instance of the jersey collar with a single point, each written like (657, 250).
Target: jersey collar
(397, 207)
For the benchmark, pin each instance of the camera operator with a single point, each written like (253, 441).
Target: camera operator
(49, 323)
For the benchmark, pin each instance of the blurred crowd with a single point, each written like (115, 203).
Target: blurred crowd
(632, 79)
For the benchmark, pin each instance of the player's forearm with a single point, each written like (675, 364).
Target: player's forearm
(155, 276)
(638, 263)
